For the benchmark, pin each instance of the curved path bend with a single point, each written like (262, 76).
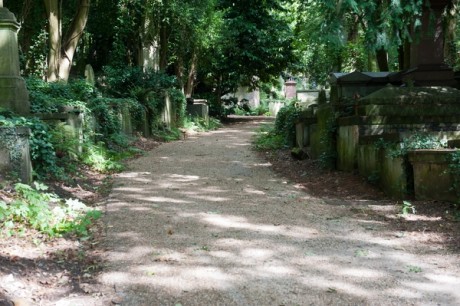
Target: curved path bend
(206, 222)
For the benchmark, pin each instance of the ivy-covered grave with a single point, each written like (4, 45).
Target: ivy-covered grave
(373, 123)
(15, 159)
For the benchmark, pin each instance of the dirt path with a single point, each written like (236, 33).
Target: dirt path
(205, 222)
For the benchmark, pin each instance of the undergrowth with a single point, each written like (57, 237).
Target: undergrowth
(34, 207)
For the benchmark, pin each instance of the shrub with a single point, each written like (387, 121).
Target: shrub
(286, 121)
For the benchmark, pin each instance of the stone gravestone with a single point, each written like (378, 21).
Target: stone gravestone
(13, 92)
(89, 75)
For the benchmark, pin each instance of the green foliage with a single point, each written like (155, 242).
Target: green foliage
(198, 124)
(99, 158)
(49, 97)
(42, 151)
(417, 140)
(258, 40)
(414, 269)
(149, 88)
(267, 139)
(168, 134)
(36, 55)
(46, 212)
(286, 121)
(105, 111)
(179, 103)
(407, 208)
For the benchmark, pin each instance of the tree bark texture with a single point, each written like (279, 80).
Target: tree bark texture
(62, 49)
(54, 32)
(188, 91)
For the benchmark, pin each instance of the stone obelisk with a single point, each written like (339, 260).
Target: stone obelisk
(13, 92)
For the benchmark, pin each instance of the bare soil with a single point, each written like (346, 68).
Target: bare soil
(210, 221)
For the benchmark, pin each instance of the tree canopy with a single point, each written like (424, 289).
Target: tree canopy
(222, 44)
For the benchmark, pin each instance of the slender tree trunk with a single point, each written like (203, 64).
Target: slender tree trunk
(450, 35)
(191, 76)
(164, 42)
(54, 20)
(72, 38)
(404, 56)
(382, 59)
(179, 67)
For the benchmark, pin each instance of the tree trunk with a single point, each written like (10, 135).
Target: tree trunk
(54, 30)
(191, 76)
(404, 56)
(164, 41)
(450, 36)
(382, 59)
(72, 38)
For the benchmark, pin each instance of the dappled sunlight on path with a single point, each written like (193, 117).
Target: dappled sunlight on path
(204, 222)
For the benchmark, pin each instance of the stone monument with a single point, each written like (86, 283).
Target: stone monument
(13, 92)
(14, 141)
(290, 91)
(427, 63)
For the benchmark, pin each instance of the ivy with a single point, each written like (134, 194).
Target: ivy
(42, 151)
(286, 121)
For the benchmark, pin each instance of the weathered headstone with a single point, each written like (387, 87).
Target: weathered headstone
(13, 92)
(15, 153)
(89, 75)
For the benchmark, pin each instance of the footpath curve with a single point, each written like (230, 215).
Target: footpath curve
(204, 221)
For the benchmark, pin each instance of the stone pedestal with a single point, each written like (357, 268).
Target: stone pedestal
(199, 108)
(433, 179)
(290, 90)
(13, 92)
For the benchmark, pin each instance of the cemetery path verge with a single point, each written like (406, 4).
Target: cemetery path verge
(206, 221)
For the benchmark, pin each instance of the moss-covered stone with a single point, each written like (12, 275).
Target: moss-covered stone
(432, 177)
(347, 145)
(391, 95)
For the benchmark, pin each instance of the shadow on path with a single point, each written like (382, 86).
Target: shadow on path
(205, 222)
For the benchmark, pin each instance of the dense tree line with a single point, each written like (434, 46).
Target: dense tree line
(217, 45)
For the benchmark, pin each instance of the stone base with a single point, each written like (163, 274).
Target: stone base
(430, 75)
(433, 179)
(14, 95)
(200, 110)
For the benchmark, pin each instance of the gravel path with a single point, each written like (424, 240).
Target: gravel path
(205, 222)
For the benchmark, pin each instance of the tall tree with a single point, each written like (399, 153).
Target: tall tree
(254, 45)
(62, 47)
(382, 27)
